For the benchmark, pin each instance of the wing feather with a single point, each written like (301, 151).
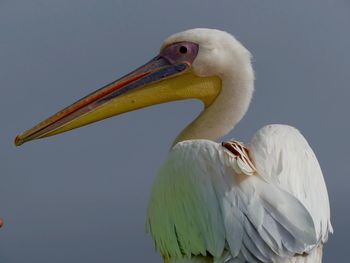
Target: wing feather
(206, 201)
(283, 157)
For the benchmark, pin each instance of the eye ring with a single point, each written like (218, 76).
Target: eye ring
(183, 49)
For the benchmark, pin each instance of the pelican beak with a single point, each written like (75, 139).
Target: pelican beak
(158, 81)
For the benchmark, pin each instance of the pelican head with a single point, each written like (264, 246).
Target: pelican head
(205, 64)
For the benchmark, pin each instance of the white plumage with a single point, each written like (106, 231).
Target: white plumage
(201, 203)
(206, 207)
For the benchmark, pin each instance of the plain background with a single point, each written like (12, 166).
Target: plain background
(82, 196)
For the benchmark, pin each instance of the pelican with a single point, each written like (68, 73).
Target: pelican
(226, 202)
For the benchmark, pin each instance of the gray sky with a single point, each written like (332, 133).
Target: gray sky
(82, 196)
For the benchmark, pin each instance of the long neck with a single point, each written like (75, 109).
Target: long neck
(226, 111)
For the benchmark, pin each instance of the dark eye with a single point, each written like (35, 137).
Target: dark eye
(183, 50)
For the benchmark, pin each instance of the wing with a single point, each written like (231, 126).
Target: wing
(206, 201)
(283, 157)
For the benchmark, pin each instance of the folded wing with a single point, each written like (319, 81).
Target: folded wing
(208, 201)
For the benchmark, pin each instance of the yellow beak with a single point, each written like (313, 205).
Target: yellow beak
(156, 82)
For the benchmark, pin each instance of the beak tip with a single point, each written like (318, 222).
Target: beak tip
(18, 141)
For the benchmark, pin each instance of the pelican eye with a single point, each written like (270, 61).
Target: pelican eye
(183, 50)
(180, 52)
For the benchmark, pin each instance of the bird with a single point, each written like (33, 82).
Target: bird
(214, 201)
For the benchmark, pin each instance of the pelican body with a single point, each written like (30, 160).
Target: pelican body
(216, 202)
